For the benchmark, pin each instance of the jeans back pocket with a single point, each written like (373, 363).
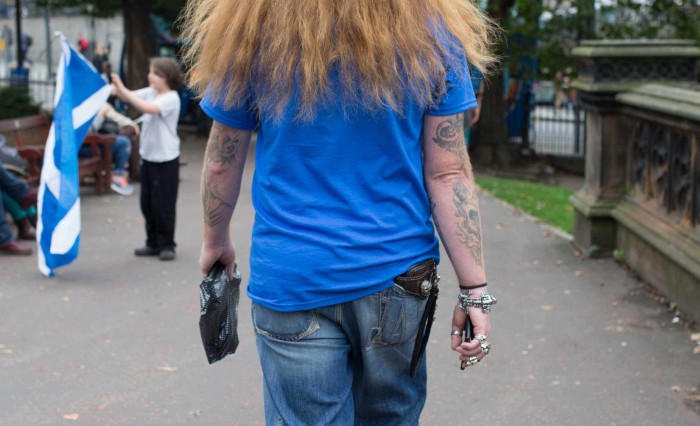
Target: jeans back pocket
(287, 326)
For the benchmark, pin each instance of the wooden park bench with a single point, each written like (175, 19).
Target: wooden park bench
(29, 134)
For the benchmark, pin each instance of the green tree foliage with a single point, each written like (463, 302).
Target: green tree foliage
(559, 26)
(650, 19)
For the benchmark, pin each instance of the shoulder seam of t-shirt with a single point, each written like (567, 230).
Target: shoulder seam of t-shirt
(221, 118)
(454, 110)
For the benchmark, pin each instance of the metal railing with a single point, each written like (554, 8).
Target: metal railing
(557, 123)
(558, 131)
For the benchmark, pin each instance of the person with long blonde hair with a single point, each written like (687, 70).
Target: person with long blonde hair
(360, 157)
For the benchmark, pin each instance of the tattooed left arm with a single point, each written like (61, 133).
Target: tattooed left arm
(455, 210)
(452, 192)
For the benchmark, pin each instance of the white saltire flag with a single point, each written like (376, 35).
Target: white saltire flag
(80, 92)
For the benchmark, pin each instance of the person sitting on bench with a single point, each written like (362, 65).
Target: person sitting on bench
(25, 197)
(109, 121)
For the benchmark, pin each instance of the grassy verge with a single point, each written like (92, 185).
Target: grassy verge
(548, 203)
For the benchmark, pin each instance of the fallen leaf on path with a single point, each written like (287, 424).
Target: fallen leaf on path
(696, 350)
(694, 337)
(167, 368)
(5, 351)
(546, 234)
(74, 416)
(693, 398)
(195, 413)
(547, 307)
(578, 273)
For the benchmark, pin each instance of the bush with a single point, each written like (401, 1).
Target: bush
(16, 102)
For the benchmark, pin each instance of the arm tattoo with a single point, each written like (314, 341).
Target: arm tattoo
(469, 227)
(449, 134)
(433, 207)
(215, 207)
(223, 146)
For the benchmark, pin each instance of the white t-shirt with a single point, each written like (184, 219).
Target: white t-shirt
(159, 141)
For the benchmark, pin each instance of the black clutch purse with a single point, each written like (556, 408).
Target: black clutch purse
(218, 316)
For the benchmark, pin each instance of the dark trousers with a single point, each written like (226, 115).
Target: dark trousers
(159, 183)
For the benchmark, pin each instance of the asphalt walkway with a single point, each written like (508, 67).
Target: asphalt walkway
(113, 339)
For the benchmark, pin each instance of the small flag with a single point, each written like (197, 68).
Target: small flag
(80, 92)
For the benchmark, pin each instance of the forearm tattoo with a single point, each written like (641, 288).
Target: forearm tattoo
(215, 207)
(469, 226)
(449, 135)
(223, 147)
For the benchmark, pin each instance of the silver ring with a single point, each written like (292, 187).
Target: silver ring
(485, 345)
(472, 360)
(456, 332)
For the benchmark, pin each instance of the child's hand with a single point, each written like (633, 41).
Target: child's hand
(117, 83)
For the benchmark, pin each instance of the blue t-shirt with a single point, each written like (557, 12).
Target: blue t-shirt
(340, 204)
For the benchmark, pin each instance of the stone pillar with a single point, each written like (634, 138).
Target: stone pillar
(606, 68)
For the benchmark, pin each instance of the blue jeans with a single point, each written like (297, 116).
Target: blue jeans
(342, 364)
(121, 150)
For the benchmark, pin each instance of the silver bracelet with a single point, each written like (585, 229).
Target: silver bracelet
(485, 301)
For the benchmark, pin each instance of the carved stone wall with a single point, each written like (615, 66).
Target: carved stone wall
(645, 69)
(664, 170)
(642, 189)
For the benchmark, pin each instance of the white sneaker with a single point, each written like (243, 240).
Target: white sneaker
(120, 185)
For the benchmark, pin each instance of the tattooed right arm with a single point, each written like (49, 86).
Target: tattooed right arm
(224, 160)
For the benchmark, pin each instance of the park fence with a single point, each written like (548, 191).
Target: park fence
(557, 131)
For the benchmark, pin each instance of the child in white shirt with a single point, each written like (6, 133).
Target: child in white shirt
(160, 152)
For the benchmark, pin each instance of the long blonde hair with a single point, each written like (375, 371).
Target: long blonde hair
(382, 50)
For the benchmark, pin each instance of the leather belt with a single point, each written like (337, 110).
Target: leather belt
(418, 279)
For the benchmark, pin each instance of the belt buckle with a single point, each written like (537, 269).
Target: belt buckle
(425, 287)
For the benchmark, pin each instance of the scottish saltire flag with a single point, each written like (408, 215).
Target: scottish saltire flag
(80, 92)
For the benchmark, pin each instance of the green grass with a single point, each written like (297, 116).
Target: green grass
(548, 203)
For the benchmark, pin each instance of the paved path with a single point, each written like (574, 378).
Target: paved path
(113, 339)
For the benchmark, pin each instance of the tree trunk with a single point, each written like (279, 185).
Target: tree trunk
(139, 43)
(491, 139)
